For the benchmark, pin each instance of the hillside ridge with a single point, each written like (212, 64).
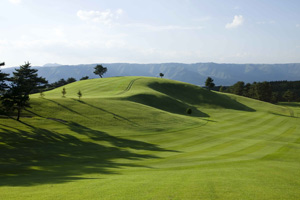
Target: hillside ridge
(163, 94)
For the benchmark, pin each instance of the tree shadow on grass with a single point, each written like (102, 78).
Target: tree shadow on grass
(292, 104)
(103, 110)
(64, 107)
(116, 141)
(32, 156)
(292, 115)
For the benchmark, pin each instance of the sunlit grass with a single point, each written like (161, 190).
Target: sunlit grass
(130, 138)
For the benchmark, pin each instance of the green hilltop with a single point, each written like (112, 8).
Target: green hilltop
(131, 138)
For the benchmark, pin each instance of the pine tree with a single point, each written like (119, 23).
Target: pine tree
(23, 82)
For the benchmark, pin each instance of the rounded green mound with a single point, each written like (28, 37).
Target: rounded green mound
(168, 95)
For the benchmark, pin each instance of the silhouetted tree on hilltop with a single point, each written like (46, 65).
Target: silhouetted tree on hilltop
(209, 83)
(100, 70)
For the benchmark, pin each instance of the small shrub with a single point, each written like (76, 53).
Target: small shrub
(84, 78)
(64, 92)
(189, 111)
(79, 94)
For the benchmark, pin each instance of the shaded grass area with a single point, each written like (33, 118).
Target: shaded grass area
(166, 103)
(195, 95)
(177, 97)
(292, 104)
(28, 152)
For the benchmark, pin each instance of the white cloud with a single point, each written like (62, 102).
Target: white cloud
(15, 1)
(105, 17)
(238, 20)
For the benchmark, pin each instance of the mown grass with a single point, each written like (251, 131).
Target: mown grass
(130, 138)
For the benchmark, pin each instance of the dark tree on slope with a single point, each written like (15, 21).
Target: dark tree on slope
(23, 82)
(238, 88)
(246, 91)
(100, 70)
(209, 83)
(252, 91)
(189, 111)
(263, 91)
(84, 78)
(79, 94)
(71, 80)
(275, 97)
(59, 83)
(161, 75)
(289, 95)
(64, 92)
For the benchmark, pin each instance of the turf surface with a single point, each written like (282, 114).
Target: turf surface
(130, 138)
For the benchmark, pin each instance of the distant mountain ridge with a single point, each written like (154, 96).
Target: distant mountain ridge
(52, 65)
(223, 74)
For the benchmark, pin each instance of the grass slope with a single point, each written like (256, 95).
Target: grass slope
(129, 138)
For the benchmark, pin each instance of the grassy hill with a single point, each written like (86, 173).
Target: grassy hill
(130, 138)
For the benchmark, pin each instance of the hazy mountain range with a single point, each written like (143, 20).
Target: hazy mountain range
(223, 74)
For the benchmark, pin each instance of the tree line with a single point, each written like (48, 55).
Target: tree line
(273, 91)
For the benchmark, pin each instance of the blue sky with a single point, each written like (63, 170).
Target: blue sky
(140, 31)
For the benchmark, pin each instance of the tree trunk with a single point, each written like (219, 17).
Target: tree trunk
(19, 113)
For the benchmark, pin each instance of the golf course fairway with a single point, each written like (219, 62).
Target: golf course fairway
(131, 138)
